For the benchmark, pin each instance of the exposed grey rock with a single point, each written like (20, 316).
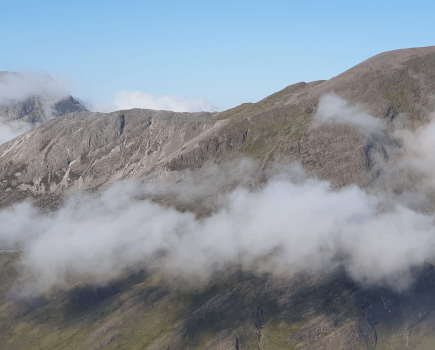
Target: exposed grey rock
(87, 150)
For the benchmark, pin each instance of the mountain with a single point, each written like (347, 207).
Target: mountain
(36, 110)
(237, 308)
(75, 152)
(27, 101)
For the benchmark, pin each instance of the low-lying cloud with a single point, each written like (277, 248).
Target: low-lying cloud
(284, 226)
(137, 99)
(419, 152)
(12, 129)
(403, 157)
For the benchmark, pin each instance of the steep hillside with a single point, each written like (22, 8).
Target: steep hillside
(236, 310)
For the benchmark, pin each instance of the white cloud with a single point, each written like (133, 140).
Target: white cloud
(286, 226)
(333, 109)
(292, 223)
(137, 99)
(402, 151)
(18, 87)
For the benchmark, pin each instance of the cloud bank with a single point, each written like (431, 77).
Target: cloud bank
(12, 129)
(137, 99)
(284, 226)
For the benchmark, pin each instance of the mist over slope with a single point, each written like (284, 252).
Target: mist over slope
(275, 220)
(310, 213)
(284, 227)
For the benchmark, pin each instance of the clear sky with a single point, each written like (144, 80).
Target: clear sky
(226, 52)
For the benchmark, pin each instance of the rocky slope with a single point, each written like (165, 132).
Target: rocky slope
(145, 309)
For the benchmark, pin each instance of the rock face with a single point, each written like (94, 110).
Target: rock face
(86, 150)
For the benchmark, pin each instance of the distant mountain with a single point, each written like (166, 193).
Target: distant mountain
(36, 110)
(27, 101)
(33, 99)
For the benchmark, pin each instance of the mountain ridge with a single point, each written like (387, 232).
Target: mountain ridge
(148, 307)
(277, 127)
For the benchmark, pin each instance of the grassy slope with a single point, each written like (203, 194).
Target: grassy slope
(147, 311)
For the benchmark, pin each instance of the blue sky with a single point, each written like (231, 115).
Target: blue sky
(226, 52)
